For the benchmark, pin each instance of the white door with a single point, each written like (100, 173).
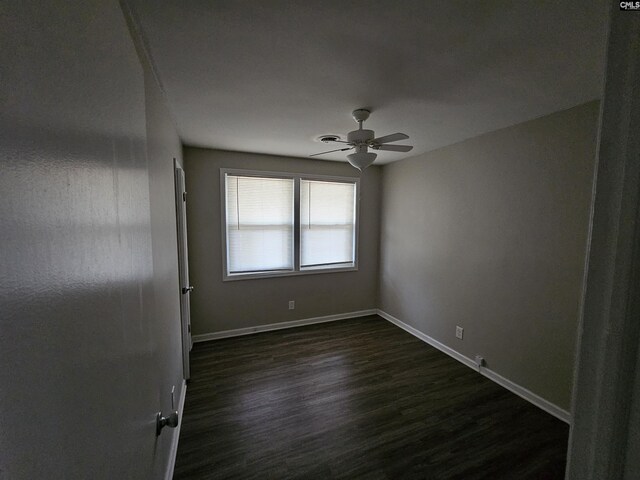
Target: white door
(183, 265)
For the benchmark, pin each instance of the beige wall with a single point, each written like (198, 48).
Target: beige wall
(490, 234)
(218, 305)
(90, 344)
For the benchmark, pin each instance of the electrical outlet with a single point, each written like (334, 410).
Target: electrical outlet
(292, 304)
(459, 332)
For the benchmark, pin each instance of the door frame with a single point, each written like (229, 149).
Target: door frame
(605, 434)
(183, 266)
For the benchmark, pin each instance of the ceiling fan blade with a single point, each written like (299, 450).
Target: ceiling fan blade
(394, 148)
(331, 151)
(394, 137)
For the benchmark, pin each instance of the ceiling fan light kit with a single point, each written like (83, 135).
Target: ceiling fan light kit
(362, 139)
(361, 160)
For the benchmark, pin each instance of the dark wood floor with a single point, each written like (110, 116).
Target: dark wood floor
(355, 399)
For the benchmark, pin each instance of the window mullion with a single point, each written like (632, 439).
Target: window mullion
(296, 224)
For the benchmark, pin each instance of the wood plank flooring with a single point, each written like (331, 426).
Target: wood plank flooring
(356, 399)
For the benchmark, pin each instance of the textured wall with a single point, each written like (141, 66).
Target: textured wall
(163, 145)
(218, 305)
(90, 340)
(490, 234)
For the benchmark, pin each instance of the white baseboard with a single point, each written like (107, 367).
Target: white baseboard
(281, 325)
(490, 374)
(171, 464)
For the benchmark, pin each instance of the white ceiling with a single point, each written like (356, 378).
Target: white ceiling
(270, 76)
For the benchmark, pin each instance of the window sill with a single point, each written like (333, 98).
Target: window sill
(309, 271)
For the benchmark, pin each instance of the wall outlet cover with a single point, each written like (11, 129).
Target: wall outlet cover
(459, 332)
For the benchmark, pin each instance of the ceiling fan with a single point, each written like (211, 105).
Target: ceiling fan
(362, 140)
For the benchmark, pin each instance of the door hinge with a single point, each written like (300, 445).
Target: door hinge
(184, 196)
(189, 328)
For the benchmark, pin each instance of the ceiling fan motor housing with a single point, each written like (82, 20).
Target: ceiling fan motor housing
(360, 136)
(361, 149)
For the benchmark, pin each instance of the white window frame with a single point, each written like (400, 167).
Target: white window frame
(296, 177)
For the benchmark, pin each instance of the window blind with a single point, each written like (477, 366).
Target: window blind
(327, 223)
(259, 216)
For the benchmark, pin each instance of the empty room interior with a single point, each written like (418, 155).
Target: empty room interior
(322, 240)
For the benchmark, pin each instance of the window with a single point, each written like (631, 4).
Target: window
(327, 224)
(283, 224)
(259, 224)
